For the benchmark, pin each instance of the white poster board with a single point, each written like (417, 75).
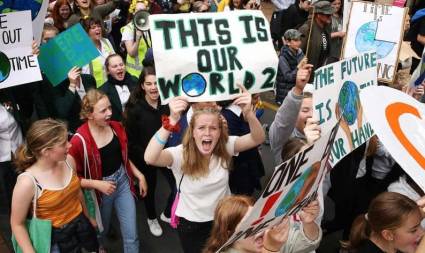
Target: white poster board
(293, 185)
(17, 64)
(336, 96)
(38, 10)
(203, 56)
(399, 122)
(374, 27)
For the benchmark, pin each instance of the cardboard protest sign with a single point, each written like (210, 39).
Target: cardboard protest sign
(38, 9)
(375, 27)
(336, 95)
(399, 122)
(293, 185)
(70, 48)
(203, 56)
(17, 63)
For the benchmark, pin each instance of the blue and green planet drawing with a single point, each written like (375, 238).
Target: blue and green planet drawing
(21, 5)
(348, 101)
(194, 85)
(4, 67)
(366, 40)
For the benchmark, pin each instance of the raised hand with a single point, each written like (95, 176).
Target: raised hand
(74, 76)
(303, 75)
(244, 100)
(177, 106)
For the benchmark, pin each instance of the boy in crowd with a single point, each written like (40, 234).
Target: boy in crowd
(290, 56)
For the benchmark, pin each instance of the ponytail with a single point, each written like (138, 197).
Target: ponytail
(24, 158)
(360, 231)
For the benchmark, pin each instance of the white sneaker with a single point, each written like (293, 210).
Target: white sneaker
(154, 227)
(164, 218)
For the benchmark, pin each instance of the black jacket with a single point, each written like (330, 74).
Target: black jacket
(109, 88)
(68, 103)
(287, 72)
(142, 122)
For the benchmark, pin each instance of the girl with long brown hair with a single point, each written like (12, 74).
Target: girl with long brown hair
(392, 224)
(49, 180)
(200, 164)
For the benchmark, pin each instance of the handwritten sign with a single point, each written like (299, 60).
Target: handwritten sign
(336, 99)
(293, 185)
(203, 56)
(70, 48)
(375, 27)
(38, 9)
(399, 123)
(17, 64)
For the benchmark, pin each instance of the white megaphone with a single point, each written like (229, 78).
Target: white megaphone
(141, 20)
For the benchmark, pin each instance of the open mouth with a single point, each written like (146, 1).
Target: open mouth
(206, 144)
(120, 75)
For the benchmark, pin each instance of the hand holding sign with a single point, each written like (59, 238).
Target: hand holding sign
(312, 130)
(277, 236)
(244, 101)
(177, 106)
(74, 77)
(303, 75)
(310, 212)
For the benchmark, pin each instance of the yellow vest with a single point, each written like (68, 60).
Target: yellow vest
(97, 66)
(134, 64)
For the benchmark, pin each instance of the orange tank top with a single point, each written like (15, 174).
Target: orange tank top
(60, 206)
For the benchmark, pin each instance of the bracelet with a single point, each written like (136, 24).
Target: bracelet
(158, 139)
(167, 126)
(270, 250)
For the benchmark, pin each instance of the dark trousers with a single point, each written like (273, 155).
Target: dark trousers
(7, 183)
(193, 235)
(150, 174)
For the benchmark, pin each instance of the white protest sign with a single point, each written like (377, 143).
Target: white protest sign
(375, 27)
(399, 122)
(293, 185)
(38, 10)
(203, 56)
(336, 93)
(17, 64)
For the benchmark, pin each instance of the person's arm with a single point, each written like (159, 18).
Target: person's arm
(256, 135)
(23, 194)
(155, 154)
(105, 9)
(64, 100)
(132, 46)
(143, 186)
(284, 122)
(421, 39)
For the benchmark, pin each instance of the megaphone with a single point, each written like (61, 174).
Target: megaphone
(141, 20)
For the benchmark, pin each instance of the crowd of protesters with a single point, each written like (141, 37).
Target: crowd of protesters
(87, 149)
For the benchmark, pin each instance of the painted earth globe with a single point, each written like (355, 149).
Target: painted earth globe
(347, 101)
(4, 67)
(194, 85)
(289, 200)
(366, 41)
(21, 5)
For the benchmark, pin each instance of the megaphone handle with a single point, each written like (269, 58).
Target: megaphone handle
(145, 38)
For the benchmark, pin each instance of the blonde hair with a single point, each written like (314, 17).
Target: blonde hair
(42, 134)
(194, 164)
(90, 99)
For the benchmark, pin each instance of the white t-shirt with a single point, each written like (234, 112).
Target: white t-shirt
(200, 196)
